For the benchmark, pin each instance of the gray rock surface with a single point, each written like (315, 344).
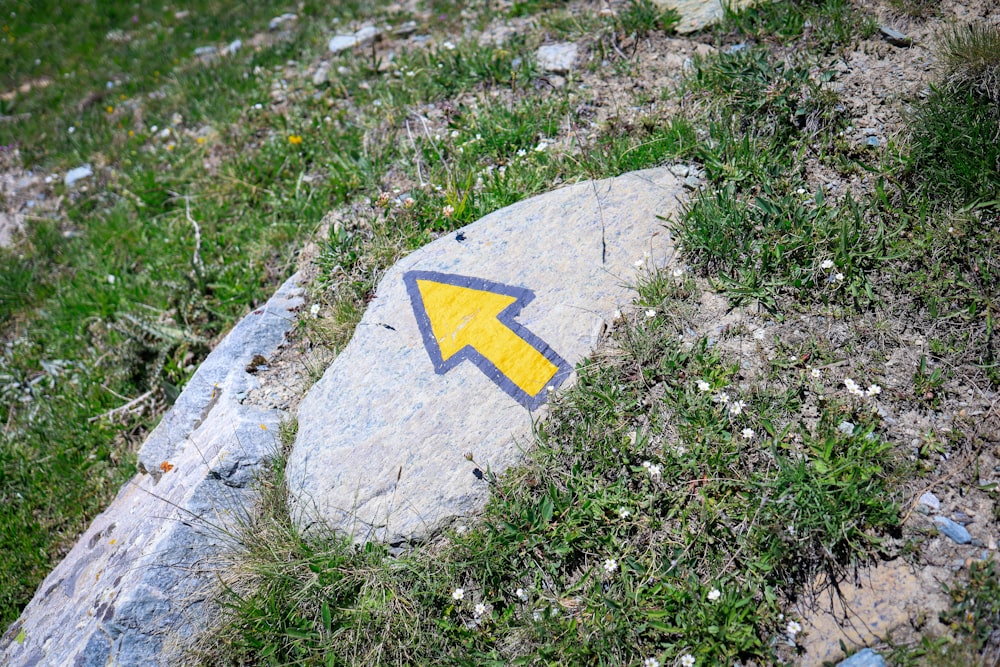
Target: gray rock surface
(382, 437)
(364, 35)
(559, 58)
(133, 589)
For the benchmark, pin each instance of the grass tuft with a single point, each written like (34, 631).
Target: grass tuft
(970, 58)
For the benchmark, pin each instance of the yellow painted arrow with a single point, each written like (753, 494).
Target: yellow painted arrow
(464, 318)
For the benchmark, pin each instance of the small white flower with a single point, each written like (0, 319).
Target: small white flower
(704, 386)
(816, 373)
(542, 145)
(610, 565)
(479, 610)
(827, 264)
(748, 433)
(653, 469)
(448, 211)
(736, 407)
(874, 390)
(623, 513)
(454, 134)
(550, 388)
(678, 272)
(714, 595)
(521, 152)
(314, 310)
(521, 594)
(111, 279)
(722, 397)
(650, 662)
(458, 594)
(71, 129)
(449, 46)
(638, 263)
(651, 312)
(838, 277)
(793, 628)
(687, 660)
(853, 388)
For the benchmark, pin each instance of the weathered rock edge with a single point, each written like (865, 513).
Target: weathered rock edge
(133, 589)
(381, 442)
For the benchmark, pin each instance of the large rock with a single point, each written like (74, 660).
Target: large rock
(133, 589)
(459, 350)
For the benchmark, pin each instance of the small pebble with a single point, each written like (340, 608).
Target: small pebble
(882, 412)
(894, 37)
(952, 530)
(961, 518)
(863, 658)
(930, 501)
(74, 175)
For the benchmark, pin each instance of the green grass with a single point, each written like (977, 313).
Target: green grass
(606, 546)
(824, 25)
(652, 519)
(119, 298)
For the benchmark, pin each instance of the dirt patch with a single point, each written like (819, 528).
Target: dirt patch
(892, 598)
(25, 194)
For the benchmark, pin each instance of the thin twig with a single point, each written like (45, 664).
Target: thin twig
(122, 409)
(416, 155)
(427, 133)
(614, 44)
(199, 267)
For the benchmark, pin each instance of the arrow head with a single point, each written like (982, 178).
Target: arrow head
(463, 318)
